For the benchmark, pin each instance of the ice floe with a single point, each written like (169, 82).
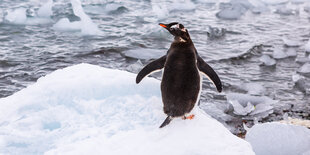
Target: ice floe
(87, 109)
(181, 6)
(19, 15)
(254, 106)
(279, 54)
(144, 54)
(290, 43)
(215, 33)
(291, 52)
(86, 26)
(279, 139)
(307, 46)
(267, 60)
(304, 69)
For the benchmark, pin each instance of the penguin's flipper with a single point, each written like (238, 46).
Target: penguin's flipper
(166, 122)
(210, 73)
(155, 65)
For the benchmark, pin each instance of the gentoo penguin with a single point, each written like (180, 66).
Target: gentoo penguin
(181, 81)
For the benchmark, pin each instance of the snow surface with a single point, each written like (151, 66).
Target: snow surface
(87, 109)
(279, 139)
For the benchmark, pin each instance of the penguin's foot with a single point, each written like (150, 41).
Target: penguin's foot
(189, 117)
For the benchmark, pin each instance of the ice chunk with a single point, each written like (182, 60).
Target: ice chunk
(85, 25)
(145, 54)
(274, 2)
(279, 139)
(87, 109)
(17, 16)
(262, 104)
(136, 67)
(267, 60)
(215, 33)
(291, 52)
(287, 11)
(239, 109)
(307, 46)
(305, 69)
(299, 83)
(302, 60)
(279, 54)
(46, 10)
(160, 10)
(290, 43)
(231, 13)
(65, 25)
(182, 6)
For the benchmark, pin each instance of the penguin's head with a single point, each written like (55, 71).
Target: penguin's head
(179, 32)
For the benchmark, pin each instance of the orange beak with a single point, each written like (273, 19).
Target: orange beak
(163, 25)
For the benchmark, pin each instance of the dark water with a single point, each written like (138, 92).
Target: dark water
(30, 51)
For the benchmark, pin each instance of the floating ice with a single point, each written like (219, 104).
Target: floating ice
(307, 46)
(136, 67)
(87, 109)
(46, 10)
(17, 16)
(290, 43)
(215, 32)
(274, 2)
(299, 83)
(243, 104)
(267, 60)
(279, 54)
(86, 25)
(145, 54)
(160, 10)
(305, 69)
(181, 6)
(65, 25)
(302, 60)
(286, 11)
(232, 13)
(291, 52)
(279, 139)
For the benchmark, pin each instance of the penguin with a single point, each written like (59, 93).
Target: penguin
(181, 80)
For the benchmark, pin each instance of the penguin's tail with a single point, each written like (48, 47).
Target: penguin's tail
(166, 122)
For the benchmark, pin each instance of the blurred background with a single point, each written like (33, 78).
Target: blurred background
(259, 48)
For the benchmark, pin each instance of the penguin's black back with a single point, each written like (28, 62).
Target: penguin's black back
(181, 80)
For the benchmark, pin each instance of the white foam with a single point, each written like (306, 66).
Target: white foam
(279, 139)
(87, 109)
(267, 60)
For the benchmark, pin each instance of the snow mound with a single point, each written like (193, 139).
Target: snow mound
(145, 54)
(87, 109)
(279, 139)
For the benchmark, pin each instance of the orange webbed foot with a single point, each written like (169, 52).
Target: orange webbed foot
(189, 117)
